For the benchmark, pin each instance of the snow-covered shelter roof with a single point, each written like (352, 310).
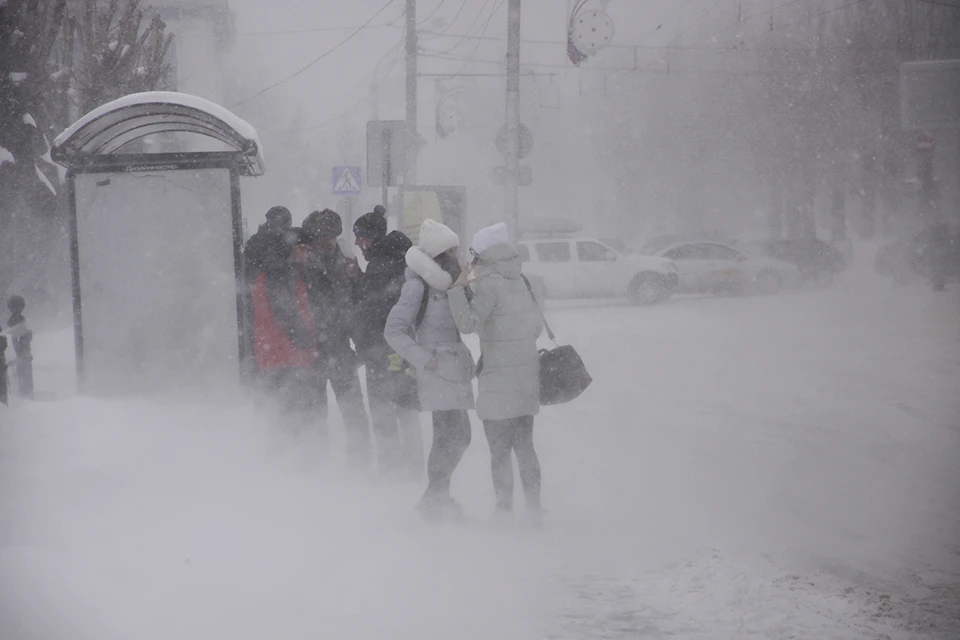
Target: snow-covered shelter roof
(109, 128)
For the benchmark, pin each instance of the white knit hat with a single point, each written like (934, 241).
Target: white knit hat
(490, 237)
(435, 238)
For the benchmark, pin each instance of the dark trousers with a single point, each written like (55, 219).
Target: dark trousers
(506, 437)
(397, 430)
(451, 437)
(346, 386)
(301, 393)
(295, 392)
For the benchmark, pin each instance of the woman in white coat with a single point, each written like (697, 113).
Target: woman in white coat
(443, 363)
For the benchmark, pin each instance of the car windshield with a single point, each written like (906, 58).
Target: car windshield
(617, 245)
(655, 244)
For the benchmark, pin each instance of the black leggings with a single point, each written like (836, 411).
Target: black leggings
(513, 436)
(451, 437)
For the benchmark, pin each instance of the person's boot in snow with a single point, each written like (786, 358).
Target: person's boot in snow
(436, 508)
(501, 518)
(534, 517)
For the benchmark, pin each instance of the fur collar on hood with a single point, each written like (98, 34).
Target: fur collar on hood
(428, 269)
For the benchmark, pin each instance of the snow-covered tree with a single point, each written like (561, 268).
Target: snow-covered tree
(55, 66)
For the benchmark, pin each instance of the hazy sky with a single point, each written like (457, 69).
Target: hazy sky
(276, 38)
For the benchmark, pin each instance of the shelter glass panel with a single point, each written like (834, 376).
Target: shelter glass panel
(158, 283)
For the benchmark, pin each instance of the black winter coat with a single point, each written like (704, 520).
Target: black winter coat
(378, 292)
(332, 298)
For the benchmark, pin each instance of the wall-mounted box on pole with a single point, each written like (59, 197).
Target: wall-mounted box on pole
(386, 152)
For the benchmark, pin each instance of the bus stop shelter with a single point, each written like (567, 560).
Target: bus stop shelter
(156, 242)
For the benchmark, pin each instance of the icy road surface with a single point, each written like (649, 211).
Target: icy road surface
(766, 468)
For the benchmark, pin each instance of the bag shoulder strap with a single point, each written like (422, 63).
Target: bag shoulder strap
(423, 305)
(546, 325)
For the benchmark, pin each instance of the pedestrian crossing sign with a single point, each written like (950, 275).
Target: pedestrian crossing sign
(346, 181)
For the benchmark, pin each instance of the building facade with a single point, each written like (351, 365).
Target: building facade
(202, 31)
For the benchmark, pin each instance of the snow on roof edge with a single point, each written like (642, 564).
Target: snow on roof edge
(5, 155)
(242, 127)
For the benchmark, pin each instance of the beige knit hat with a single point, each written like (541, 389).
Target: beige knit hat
(435, 238)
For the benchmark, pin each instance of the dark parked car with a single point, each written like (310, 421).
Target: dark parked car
(818, 261)
(932, 254)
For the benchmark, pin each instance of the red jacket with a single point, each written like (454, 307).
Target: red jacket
(273, 347)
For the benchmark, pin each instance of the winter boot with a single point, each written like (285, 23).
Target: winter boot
(436, 509)
(502, 518)
(534, 517)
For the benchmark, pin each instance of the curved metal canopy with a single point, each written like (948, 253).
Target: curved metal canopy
(107, 129)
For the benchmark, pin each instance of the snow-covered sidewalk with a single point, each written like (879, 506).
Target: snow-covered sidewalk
(779, 467)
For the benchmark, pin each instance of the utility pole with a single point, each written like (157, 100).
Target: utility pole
(410, 177)
(512, 155)
(410, 170)
(384, 179)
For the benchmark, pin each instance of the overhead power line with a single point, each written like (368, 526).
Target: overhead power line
(319, 58)
(752, 16)
(466, 37)
(389, 25)
(293, 32)
(697, 21)
(432, 13)
(456, 16)
(548, 65)
(703, 15)
(803, 20)
(669, 18)
(486, 26)
(396, 50)
(938, 3)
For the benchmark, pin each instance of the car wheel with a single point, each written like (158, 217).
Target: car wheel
(768, 282)
(648, 288)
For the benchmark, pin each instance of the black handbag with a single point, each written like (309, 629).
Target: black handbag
(563, 375)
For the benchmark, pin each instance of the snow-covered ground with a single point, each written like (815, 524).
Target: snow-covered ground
(779, 467)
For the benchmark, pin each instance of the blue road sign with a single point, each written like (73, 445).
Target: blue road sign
(346, 181)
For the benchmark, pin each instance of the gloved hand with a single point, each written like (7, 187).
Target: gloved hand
(396, 362)
(399, 365)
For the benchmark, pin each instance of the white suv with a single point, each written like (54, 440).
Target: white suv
(580, 266)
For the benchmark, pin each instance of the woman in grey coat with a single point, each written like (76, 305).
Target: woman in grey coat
(493, 301)
(443, 363)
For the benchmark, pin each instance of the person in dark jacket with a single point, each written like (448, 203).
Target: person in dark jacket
(391, 390)
(261, 251)
(284, 332)
(333, 282)
(267, 250)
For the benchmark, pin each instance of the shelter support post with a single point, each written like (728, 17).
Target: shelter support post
(75, 278)
(243, 324)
